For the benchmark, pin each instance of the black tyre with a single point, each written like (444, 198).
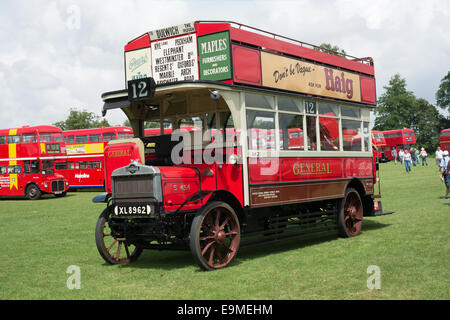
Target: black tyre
(33, 192)
(215, 236)
(350, 214)
(113, 250)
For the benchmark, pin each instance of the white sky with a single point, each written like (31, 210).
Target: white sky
(55, 55)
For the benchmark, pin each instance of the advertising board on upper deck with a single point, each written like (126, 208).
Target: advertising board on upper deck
(182, 53)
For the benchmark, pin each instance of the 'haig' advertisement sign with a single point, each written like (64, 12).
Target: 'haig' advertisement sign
(297, 75)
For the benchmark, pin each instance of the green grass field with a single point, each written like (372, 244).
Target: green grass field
(41, 239)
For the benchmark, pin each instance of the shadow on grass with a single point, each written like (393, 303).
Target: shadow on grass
(44, 197)
(176, 259)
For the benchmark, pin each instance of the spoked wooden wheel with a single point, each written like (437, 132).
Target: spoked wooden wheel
(113, 250)
(215, 236)
(350, 214)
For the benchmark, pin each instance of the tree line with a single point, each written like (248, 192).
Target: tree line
(399, 108)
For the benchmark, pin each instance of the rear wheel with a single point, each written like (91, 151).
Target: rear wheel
(215, 236)
(33, 192)
(113, 250)
(350, 214)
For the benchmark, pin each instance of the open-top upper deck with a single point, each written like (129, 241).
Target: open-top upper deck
(232, 53)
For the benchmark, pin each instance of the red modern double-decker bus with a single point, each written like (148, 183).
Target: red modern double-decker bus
(85, 155)
(444, 140)
(398, 139)
(208, 189)
(28, 158)
(379, 144)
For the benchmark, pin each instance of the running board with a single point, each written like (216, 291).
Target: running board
(378, 209)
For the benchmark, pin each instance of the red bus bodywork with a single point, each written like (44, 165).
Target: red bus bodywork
(326, 174)
(28, 158)
(398, 139)
(85, 154)
(379, 144)
(444, 140)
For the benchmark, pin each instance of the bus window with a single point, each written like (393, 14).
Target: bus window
(82, 165)
(71, 165)
(14, 169)
(81, 139)
(13, 139)
(71, 139)
(124, 135)
(60, 165)
(95, 164)
(2, 169)
(2, 140)
(57, 137)
(94, 138)
(253, 100)
(261, 129)
(289, 104)
(311, 137)
(29, 137)
(351, 135)
(328, 109)
(109, 136)
(47, 167)
(45, 137)
(291, 131)
(350, 112)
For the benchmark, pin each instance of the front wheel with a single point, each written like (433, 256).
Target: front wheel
(350, 214)
(215, 236)
(113, 250)
(33, 192)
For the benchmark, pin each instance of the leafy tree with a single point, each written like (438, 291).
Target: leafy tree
(426, 124)
(399, 108)
(81, 120)
(328, 48)
(443, 93)
(394, 110)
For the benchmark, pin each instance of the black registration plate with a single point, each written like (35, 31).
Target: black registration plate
(133, 210)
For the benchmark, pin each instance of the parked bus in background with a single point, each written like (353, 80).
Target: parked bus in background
(399, 139)
(444, 140)
(28, 158)
(379, 144)
(85, 154)
(207, 196)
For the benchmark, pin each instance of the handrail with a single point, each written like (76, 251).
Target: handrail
(366, 60)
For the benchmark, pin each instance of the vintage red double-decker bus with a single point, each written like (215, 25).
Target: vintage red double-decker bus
(28, 157)
(379, 144)
(85, 155)
(444, 140)
(208, 189)
(398, 139)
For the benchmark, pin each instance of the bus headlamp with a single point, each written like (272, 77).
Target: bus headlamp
(233, 159)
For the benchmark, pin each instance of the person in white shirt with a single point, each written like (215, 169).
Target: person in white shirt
(445, 172)
(439, 156)
(423, 155)
(407, 161)
(401, 156)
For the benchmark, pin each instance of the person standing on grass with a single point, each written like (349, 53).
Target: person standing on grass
(445, 172)
(417, 156)
(423, 155)
(394, 155)
(412, 152)
(401, 155)
(439, 156)
(407, 162)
